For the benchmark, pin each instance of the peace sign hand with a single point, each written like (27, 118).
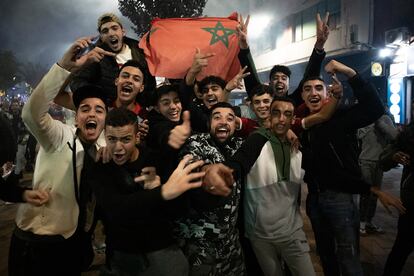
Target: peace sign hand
(322, 31)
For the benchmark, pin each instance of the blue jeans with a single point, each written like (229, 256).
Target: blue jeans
(372, 174)
(335, 223)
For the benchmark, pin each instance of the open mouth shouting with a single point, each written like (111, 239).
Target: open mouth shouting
(118, 158)
(210, 101)
(115, 44)
(90, 127)
(222, 132)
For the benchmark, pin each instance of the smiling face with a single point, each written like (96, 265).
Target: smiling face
(212, 94)
(90, 119)
(314, 94)
(112, 34)
(222, 123)
(169, 105)
(281, 118)
(129, 84)
(279, 84)
(261, 106)
(121, 141)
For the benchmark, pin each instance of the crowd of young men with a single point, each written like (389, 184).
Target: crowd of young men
(178, 186)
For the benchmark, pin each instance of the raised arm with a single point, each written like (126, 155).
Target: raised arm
(313, 68)
(49, 132)
(245, 57)
(369, 107)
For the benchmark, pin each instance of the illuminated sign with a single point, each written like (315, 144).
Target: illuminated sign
(377, 69)
(396, 99)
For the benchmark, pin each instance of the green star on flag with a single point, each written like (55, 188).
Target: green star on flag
(223, 37)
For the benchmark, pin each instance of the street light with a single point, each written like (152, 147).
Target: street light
(385, 52)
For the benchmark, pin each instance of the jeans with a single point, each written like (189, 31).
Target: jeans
(335, 223)
(372, 174)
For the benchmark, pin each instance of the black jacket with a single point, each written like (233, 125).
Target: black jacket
(133, 218)
(104, 73)
(157, 139)
(330, 156)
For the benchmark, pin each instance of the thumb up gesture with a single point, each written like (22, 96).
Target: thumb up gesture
(180, 133)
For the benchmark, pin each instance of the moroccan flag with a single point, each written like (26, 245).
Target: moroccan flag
(171, 44)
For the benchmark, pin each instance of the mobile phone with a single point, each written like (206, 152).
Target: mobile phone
(90, 47)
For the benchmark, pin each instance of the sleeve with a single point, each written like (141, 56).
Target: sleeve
(186, 94)
(252, 80)
(313, 68)
(198, 198)
(48, 132)
(386, 127)
(368, 109)
(247, 127)
(161, 132)
(245, 157)
(385, 160)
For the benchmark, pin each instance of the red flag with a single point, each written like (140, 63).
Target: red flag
(171, 44)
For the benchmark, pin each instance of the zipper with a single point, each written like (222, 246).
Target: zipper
(336, 154)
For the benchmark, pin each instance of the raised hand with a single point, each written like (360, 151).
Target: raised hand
(180, 133)
(71, 62)
(200, 61)
(103, 153)
(322, 31)
(236, 82)
(218, 179)
(335, 88)
(182, 179)
(242, 31)
(149, 177)
(334, 67)
(388, 200)
(143, 129)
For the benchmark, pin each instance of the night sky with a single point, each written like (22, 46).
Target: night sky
(40, 31)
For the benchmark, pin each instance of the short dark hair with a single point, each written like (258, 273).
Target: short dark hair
(162, 90)
(218, 105)
(310, 78)
(283, 99)
(88, 91)
(211, 80)
(260, 90)
(279, 68)
(119, 117)
(136, 64)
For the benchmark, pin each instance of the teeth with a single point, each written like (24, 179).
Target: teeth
(91, 124)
